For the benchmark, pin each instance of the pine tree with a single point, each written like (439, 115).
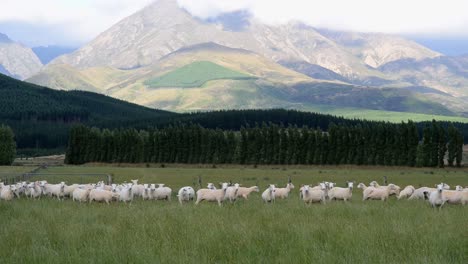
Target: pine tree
(7, 145)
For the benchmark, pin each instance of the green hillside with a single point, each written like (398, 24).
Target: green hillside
(195, 75)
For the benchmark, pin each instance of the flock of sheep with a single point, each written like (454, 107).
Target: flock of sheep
(324, 191)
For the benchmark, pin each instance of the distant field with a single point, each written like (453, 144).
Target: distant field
(195, 75)
(379, 115)
(49, 231)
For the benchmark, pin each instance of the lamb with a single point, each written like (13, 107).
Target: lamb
(244, 192)
(437, 198)
(162, 193)
(211, 195)
(310, 195)
(80, 195)
(7, 192)
(102, 196)
(269, 195)
(231, 193)
(419, 193)
(381, 193)
(283, 193)
(338, 193)
(186, 194)
(407, 192)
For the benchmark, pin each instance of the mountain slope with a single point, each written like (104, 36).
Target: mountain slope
(16, 60)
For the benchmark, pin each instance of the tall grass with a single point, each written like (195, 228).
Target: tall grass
(49, 231)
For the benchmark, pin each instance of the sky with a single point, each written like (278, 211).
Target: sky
(440, 23)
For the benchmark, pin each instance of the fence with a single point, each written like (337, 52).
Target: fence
(80, 178)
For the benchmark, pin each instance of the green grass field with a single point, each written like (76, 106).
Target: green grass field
(195, 75)
(49, 231)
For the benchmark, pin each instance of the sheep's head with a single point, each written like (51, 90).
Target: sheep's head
(440, 187)
(374, 184)
(153, 187)
(211, 186)
(224, 185)
(256, 189)
(290, 185)
(134, 182)
(361, 186)
(446, 186)
(458, 188)
(305, 189)
(350, 185)
(331, 185)
(323, 185)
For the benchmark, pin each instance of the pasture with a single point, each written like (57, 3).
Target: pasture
(50, 231)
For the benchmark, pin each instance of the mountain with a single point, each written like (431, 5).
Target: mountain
(17, 60)
(165, 45)
(47, 53)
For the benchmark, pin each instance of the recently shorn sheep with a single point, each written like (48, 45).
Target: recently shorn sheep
(283, 193)
(338, 193)
(269, 195)
(244, 192)
(211, 195)
(380, 193)
(313, 195)
(102, 196)
(406, 192)
(186, 194)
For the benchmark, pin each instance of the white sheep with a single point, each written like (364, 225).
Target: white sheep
(35, 190)
(54, 189)
(311, 195)
(365, 190)
(68, 190)
(283, 193)
(419, 193)
(437, 198)
(339, 193)
(102, 196)
(381, 193)
(80, 195)
(137, 189)
(211, 186)
(7, 192)
(394, 191)
(186, 194)
(269, 195)
(126, 194)
(406, 192)
(244, 192)
(211, 195)
(231, 192)
(162, 193)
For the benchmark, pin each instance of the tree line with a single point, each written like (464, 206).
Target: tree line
(373, 143)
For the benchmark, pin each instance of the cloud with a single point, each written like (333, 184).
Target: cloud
(81, 20)
(396, 16)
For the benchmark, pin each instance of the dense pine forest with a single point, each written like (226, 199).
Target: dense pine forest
(369, 144)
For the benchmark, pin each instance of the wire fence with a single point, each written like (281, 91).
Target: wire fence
(69, 178)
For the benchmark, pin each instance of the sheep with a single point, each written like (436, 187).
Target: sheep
(338, 193)
(126, 194)
(406, 192)
(162, 193)
(147, 195)
(35, 190)
(211, 195)
(269, 195)
(102, 196)
(186, 194)
(454, 197)
(80, 195)
(395, 191)
(138, 189)
(436, 198)
(244, 192)
(419, 193)
(68, 190)
(54, 189)
(231, 193)
(365, 190)
(381, 193)
(310, 195)
(283, 193)
(7, 192)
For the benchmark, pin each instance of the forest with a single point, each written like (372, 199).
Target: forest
(370, 144)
